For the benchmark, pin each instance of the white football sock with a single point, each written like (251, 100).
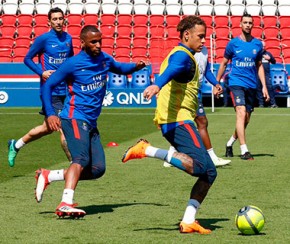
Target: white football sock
(212, 154)
(244, 149)
(56, 175)
(151, 151)
(231, 141)
(68, 196)
(20, 143)
(190, 211)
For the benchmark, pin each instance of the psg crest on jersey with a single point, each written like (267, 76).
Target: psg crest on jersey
(254, 51)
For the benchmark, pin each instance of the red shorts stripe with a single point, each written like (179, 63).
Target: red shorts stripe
(233, 98)
(76, 129)
(193, 135)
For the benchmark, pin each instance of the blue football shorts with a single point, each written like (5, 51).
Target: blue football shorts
(242, 96)
(57, 104)
(85, 146)
(186, 139)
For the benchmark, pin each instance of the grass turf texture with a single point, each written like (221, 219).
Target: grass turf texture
(141, 201)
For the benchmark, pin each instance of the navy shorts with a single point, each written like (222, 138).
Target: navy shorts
(187, 140)
(242, 96)
(85, 146)
(200, 110)
(57, 104)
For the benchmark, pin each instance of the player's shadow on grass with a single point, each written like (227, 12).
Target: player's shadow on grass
(206, 223)
(108, 208)
(263, 155)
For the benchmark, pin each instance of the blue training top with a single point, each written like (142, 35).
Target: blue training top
(244, 56)
(52, 49)
(86, 80)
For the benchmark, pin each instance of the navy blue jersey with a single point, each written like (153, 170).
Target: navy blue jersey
(244, 56)
(86, 78)
(52, 49)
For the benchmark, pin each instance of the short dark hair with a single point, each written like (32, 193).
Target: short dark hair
(88, 28)
(246, 15)
(188, 23)
(54, 10)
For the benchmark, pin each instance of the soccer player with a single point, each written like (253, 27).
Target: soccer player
(267, 59)
(245, 52)
(177, 89)
(201, 120)
(86, 75)
(52, 49)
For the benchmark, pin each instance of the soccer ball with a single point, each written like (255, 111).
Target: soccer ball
(250, 220)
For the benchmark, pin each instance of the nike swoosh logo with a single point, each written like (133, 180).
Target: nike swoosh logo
(54, 45)
(239, 51)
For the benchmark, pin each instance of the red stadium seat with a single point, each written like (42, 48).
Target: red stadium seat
(171, 42)
(108, 30)
(276, 51)
(20, 51)
(140, 41)
(107, 19)
(171, 32)
(123, 51)
(284, 32)
(8, 30)
(257, 32)
(283, 21)
(124, 19)
(5, 58)
(157, 31)
(222, 32)
(140, 31)
(271, 32)
(8, 19)
(285, 52)
(91, 19)
(156, 20)
(76, 42)
(74, 19)
(40, 19)
(172, 20)
(124, 30)
(272, 42)
(123, 41)
(140, 19)
(123, 58)
(108, 49)
(74, 30)
(108, 41)
(285, 42)
(156, 42)
(219, 21)
(25, 19)
(139, 51)
(221, 42)
(6, 42)
(24, 31)
(269, 21)
(219, 54)
(39, 30)
(23, 41)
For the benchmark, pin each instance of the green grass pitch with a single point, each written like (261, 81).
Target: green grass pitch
(141, 201)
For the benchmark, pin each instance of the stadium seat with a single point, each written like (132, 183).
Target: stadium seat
(254, 9)
(140, 41)
(189, 8)
(123, 51)
(6, 42)
(8, 19)
(10, 7)
(108, 8)
(108, 30)
(141, 8)
(221, 2)
(123, 58)
(257, 32)
(222, 32)
(25, 19)
(90, 19)
(284, 32)
(272, 42)
(140, 20)
(136, 58)
(155, 51)
(125, 8)
(140, 31)
(74, 30)
(283, 9)
(124, 19)
(108, 49)
(117, 81)
(4, 58)
(157, 8)
(285, 42)
(172, 20)
(24, 31)
(139, 51)
(221, 42)
(39, 29)
(20, 51)
(157, 31)
(42, 7)
(218, 21)
(237, 9)
(123, 41)
(283, 21)
(77, 43)
(93, 8)
(221, 9)
(124, 30)
(40, 19)
(108, 41)
(171, 42)
(140, 79)
(279, 81)
(60, 4)
(74, 19)
(269, 21)
(75, 7)
(285, 51)
(156, 20)
(271, 32)
(172, 32)
(205, 9)
(173, 8)
(276, 51)
(140, 1)
(269, 9)
(235, 21)
(219, 54)
(209, 31)
(156, 42)
(8, 30)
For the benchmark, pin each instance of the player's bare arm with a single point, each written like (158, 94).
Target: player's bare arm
(150, 91)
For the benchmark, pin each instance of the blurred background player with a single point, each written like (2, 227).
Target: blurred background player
(267, 59)
(245, 52)
(52, 49)
(201, 120)
(177, 89)
(86, 75)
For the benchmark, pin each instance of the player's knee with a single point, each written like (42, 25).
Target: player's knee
(98, 171)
